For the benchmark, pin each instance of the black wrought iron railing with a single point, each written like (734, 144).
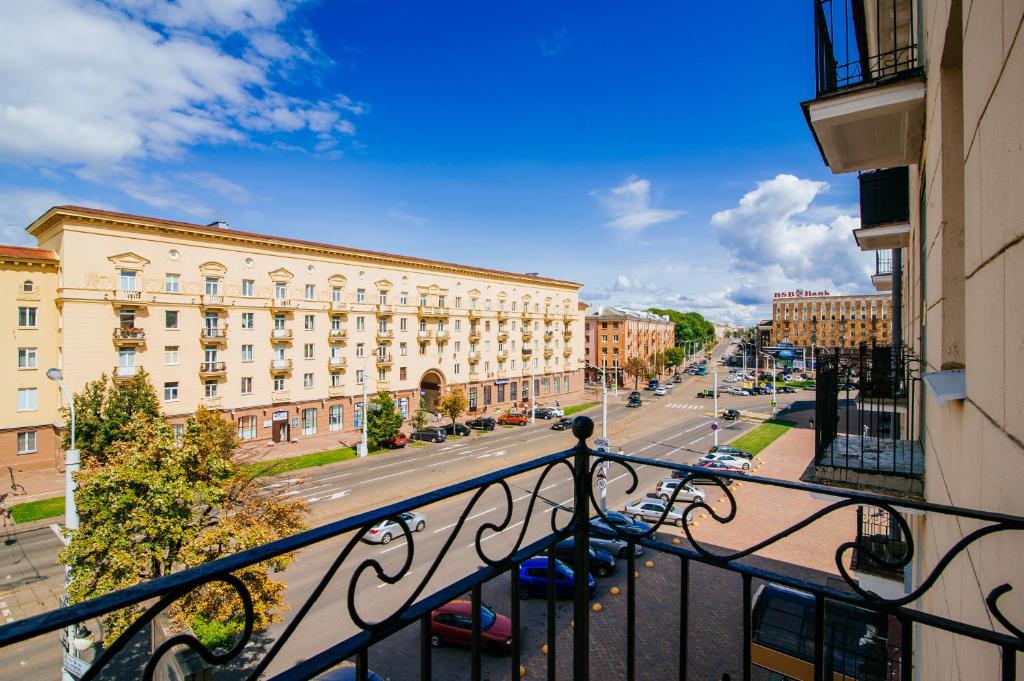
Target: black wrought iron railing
(867, 411)
(863, 41)
(883, 262)
(884, 196)
(878, 535)
(844, 629)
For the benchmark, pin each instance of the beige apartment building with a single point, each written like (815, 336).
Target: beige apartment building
(614, 335)
(823, 321)
(927, 106)
(278, 334)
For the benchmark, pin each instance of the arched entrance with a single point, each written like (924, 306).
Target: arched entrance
(431, 389)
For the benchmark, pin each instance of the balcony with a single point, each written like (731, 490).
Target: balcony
(385, 335)
(335, 391)
(213, 302)
(441, 336)
(474, 375)
(280, 366)
(211, 402)
(473, 357)
(567, 334)
(213, 369)
(548, 353)
(125, 373)
(567, 352)
(549, 336)
(527, 352)
(501, 373)
(385, 310)
(279, 396)
(337, 362)
(876, 559)
(433, 311)
(882, 278)
(339, 306)
(884, 210)
(213, 334)
(282, 305)
(473, 313)
(502, 336)
(424, 335)
(281, 335)
(527, 335)
(868, 111)
(855, 635)
(128, 298)
(337, 335)
(502, 355)
(383, 386)
(384, 359)
(129, 335)
(502, 315)
(866, 414)
(474, 335)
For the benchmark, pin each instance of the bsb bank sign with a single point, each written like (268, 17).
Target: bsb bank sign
(799, 293)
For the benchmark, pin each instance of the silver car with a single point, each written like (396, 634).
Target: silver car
(615, 547)
(651, 510)
(727, 460)
(386, 530)
(667, 487)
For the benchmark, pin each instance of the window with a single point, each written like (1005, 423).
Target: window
(27, 317)
(27, 442)
(307, 351)
(247, 385)
(172, 283)
(335, 294)
(335, 323)
(129, 280)
(278, 383)
(472, 399)
(360, 376)
(248, 320)
(458, 301)
(310, 292)
(170, 319)
(248, 290)
(27, 399)
(335, 417)
(403, 324)
(458, 346)
(210, 388)
(487, 395)
(171, 391)
(171, 355)
(360, 323)
(360, 349)
(212, 286)
(382, 297)
(280, 290)
(247, 353)
(382, 326)
(246, 427)
(403, 350)
(458, 369)
(26, 358)
(28, 286)
(423, 301)
(308, 322)
(307, 380)
(440, 301)
(512, 385)
(279, 322)
(360, 295)
(403, 297)
(458, 325)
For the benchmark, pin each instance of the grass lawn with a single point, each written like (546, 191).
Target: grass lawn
(577, 408)
(762, 436)
(294, 463)
(38, 510)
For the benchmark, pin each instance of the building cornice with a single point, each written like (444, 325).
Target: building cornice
(58, 215)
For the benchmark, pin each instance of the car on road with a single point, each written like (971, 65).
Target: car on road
(386, 530)
(660, 392)
(730, 414)
(482, 423)
(564, 423)
(669, 385)
(396, 441)
(543, 413)
(617, 523)
(616, 547)
(557, 412)
(533, 579)
(706, 393)
(667, 487)
(456, 429)
(602, 563)
(634, 393)
(726, 449)
(634, 401)
(651, 510)
(727, 460)
(429, 434)
(513, 420)
(452, 624)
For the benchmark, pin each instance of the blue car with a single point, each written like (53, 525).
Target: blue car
(533, 579)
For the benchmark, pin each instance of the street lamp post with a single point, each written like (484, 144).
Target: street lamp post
(714, 420)
(533, 388)
(603, 500)
(775, 394)
(366, 411)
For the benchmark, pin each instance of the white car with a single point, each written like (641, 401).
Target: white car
(386, 530)
(651, 510)
(667, 487)
(669, 386)
(660, 392)
(556, 412)
(726, 460)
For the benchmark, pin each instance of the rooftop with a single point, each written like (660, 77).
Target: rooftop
(610, 311)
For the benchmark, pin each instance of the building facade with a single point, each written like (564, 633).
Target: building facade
(826, 321)
(278, 334)
(932, 123)
(614, 335)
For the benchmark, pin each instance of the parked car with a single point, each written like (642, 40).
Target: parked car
(726, 449)
(617, 523)
(456, 429)
(602, 563)
(660, 392)
(677, 379)
(452, 624)
(396, 441)
(482, 423)
(727, 460)
(669, 385)
(634, 393)
(513, 420)
(544, 413)
(557, 412)
(430, 434)
(702, 481)
(386, 530)
(666, 488)
(564, 423)
(720, 466)
(533, 579)
(651, 510)
(634, 402)
(615, 547)
(730, 414)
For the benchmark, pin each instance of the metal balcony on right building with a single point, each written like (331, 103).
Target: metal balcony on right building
(868, 109)
(884, 209)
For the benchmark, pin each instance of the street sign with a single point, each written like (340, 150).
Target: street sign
(601, 483)
(714, 425)
(75, 666)
(602, 445)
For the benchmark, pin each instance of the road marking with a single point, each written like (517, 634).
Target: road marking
(283, 483)
(475, 515)
(492, 536)
(384, 584)
(699, 425)
(501, 453)
(561, 505)
(383, 477)
(336, 495)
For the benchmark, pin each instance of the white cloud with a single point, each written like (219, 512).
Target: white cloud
(629, 205)
(407, 217)
(96, 85)
(220, 185)
(20, 206)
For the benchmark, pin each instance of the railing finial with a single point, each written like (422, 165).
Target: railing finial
(582, 428)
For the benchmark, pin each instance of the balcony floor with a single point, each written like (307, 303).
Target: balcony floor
(875, 455)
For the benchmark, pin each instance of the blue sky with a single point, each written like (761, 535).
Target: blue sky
(654, 152)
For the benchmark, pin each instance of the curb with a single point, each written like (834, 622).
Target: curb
(21, 528)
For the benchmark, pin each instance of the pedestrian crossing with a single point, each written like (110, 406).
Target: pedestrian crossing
(680, 405)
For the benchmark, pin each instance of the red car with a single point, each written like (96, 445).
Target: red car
(452, 623)
(396, 441)
(513, 420)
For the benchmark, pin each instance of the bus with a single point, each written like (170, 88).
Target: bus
(856, 641)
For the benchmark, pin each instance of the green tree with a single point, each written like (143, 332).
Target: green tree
(690, 326)
(383, 419)
(151, 505)
(636, 367)
(453, 405)
(674, 357)
(103, 410)
(419, 419)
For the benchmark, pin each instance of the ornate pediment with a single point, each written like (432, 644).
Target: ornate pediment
(281, 274)
(336, 280)
(474, 293)
(502, 295)
(432, 289)
(212, 269)
(128, 261)
(383, 285)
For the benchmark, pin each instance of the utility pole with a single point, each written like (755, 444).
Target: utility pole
(533, 387)
(714, 419)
